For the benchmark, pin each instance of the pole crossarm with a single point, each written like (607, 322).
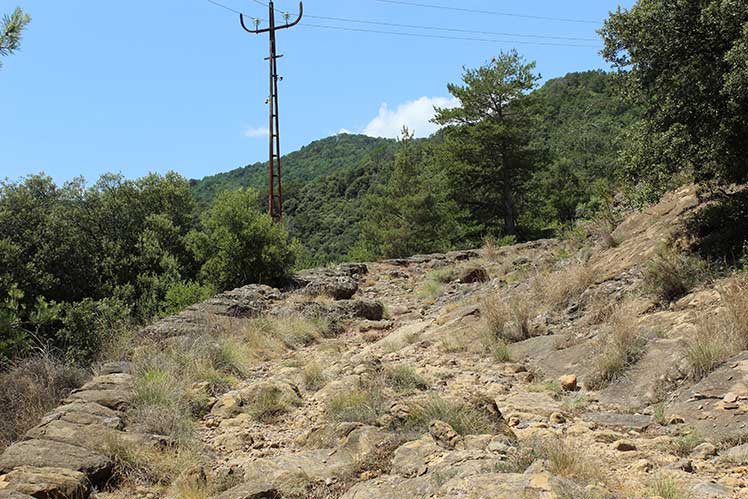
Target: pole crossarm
(265, 30)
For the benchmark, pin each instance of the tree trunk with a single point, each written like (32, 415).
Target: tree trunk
(509, 222)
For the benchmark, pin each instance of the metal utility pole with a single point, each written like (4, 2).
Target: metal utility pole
(275, 187)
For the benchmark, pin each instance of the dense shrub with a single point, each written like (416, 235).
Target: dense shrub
(241, 245)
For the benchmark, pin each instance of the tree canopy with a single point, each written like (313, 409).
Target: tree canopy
(685, 63)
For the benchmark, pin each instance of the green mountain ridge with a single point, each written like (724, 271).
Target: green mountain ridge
(576, 118)
(317, 159)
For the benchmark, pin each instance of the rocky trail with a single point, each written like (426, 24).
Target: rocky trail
(406, 397)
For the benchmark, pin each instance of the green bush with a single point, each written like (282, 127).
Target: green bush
(182, 294)
(88, 326)
(239, 245)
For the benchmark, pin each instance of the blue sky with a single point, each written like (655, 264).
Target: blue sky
(142, 86)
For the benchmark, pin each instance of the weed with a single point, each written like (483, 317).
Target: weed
(667, 486)
(444, 275)
(575, 403)
(430, 290)
(707, 347)
(314, 377)
(559, 289)
(670, 275)
(404, 378)
(363, 405)
(551, 386)
(463, 418)
(29, 389)
(505, 319)
(271, 402)
(684, 444)
(622, 347)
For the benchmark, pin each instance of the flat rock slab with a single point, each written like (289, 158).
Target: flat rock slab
(500, 486)
(251, 491)
(85, 413)
(6, 494)
(391, 487)
(46, 483)
(88, 436)
(616, 420)
(49, 454)
(703, 406)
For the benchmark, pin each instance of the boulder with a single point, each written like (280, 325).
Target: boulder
(444, 435)
(474, 273)
(568, 383)
(704, 451)
(50, 454)
(46, 483)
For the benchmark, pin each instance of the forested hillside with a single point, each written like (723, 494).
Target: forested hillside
(318, 159)
(575, 127)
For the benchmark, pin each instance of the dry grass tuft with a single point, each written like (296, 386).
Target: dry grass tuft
(270, 403)
(404, 378)
(30, 388)
(668, 486)
(314, 376)
(143, 464)
(362, 405)
(622, 347)
(708, 347)
(561, 288)
(462, 417)
(506, 319)
(565, 459)
(670, 275)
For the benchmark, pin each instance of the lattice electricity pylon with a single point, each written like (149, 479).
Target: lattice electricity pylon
(275, 185)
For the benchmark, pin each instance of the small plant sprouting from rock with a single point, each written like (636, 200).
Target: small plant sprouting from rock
(314, 376)
(404, 378)
(462, 417)
(668, 486)
(621, 347)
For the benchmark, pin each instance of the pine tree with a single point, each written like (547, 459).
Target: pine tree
(487, 134)
(11, 30)
(412, 211)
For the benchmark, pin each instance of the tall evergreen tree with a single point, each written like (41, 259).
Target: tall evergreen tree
(487, 134)
(412, 211)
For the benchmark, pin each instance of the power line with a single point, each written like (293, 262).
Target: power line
(444, 37)
(431, 28)
(453, 30)
(488, 12)
(225, 7)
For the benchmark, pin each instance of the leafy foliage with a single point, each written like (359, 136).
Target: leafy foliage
(685, 63)
(412, 211)
(239, 244)
(80, 263)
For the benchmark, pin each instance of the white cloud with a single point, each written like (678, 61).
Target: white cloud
(344, 131)
(416, 115)
(254, 133)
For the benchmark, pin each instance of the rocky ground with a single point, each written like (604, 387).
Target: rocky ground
(407, 397)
